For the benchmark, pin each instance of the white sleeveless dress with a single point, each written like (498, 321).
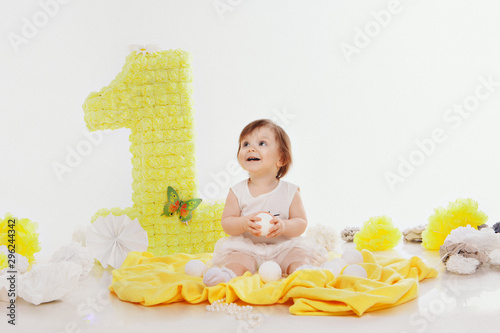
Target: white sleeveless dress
(263, 249)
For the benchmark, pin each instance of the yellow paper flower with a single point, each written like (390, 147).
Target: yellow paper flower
(460, 213)
(25, 237)
(3, 261)
(377, 234)
(130, 212)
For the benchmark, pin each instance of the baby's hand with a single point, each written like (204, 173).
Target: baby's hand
(277, 229)
(251, 224)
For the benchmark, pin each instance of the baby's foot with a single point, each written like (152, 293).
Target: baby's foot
(216, 275)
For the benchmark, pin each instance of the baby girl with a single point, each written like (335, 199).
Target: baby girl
(265, 152)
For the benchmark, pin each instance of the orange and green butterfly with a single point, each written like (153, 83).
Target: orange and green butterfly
(175, 205)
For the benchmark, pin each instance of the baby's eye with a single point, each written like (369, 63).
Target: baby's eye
(244, 144)
(262, 143)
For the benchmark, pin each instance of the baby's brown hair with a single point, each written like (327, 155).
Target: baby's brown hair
(281, 137)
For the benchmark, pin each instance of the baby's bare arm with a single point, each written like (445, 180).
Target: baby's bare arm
(297, 222)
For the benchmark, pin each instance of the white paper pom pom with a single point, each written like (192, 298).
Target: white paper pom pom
(4, 286)
(355, 270)
(194, 268)
(495, 257)
(352, 256)
(461, 265)
(265, 218)
(49, 282)
(485, 239)
(324, 235)
(74, 252)
(22, 263)
(335, 265)
(270, 271)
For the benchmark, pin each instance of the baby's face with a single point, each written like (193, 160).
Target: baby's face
(259, 152)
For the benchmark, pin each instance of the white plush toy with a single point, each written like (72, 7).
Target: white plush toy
(466, 248)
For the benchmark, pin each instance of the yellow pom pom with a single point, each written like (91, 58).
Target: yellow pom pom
(132, 213)
(3, 261)
(460, 213)
(377, 234)
(21, 233)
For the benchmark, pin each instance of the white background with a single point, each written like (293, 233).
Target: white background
(352, 117)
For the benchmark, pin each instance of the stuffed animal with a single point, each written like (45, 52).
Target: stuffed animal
(466, 248)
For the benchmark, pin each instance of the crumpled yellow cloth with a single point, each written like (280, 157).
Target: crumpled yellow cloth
(149, 280)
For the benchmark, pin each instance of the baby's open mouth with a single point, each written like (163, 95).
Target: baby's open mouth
(253, 159)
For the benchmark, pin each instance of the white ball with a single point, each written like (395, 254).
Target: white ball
(270, 271)
(265, 218)
(352, 256)
(194, 268)
(355, 270)
(335, 265)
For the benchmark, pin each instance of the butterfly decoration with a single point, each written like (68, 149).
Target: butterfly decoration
(175, 205)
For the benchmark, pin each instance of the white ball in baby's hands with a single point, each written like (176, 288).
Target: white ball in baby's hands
(352, 256)
(355, 270)
(265, 218)
(270, 271)
(194, 268)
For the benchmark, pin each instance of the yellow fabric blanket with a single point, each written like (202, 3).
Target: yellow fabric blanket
(149, 280)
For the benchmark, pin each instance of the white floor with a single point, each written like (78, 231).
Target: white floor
(449, 302)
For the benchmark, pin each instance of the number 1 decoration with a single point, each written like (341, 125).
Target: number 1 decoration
(152, 97)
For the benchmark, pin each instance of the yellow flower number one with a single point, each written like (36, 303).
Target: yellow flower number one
(152, 97)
